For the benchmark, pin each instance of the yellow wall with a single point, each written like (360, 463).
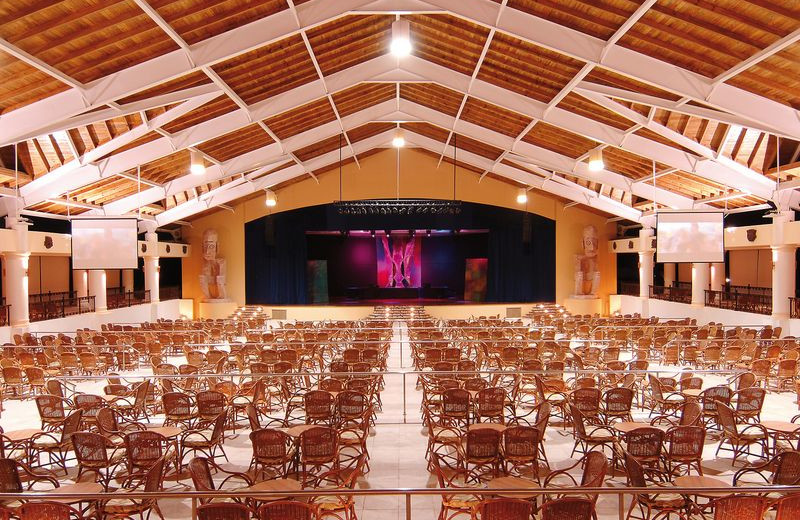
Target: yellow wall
(419, 178)
(48, 274)
(751, 267)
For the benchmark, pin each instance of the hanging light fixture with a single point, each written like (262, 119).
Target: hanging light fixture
(271, 199)
(596, 160)
(399, 139)
(401, 38)
(522, 196)
(197, 165)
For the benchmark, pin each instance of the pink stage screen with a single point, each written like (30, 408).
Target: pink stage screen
(399, 261)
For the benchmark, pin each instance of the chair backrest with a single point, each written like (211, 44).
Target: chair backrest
(505, 509)
(269, 443)
(520, 441)
(9, 476)
(50, 407)
(740, 507)
(568, 508)
(482, 443)
(90, 448)
(286, 510)
(47, 509)
(143, 448)
(200, 473)
(223, 511)
(750, 400)
(787, 468)
(595, 467)
(319, 442)
(686, 441)
(644, 442)
(788, 507)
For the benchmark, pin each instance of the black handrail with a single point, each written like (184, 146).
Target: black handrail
(671, 293)
(736, 301)
(49, 310)
(127, 299)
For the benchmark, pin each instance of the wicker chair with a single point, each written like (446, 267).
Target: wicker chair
(749, 402)
(595, 467)
(521, 451)
(205, 441)
(89, 404)
(223, 511)
(479, 454)
(455, 407)
(287, 510)
(645, 444)
(684, 448)
(442, 440)
(151, 481)
(662, 505)
(785, 375)
(664, 404)
(489, 405)
(11, 480)
(338, 506)
(145, 448)
(319, 407)
(113, 426)
(200, 473)
(352, 409)
(740, 507)
(788, 508)
(461, 502)
(178, 409)
(48, 509)
(689, 414)
(97, 454)
(272, 449)
(617, 403)
(210, 404)
(740, 440)
(319, 450)
(506, 509)
(568, 508)
(710, 398)
(52, 411)
(586, 441)
(56, 444)
(782, 470)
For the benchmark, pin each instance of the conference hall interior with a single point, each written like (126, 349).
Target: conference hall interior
(399, 259)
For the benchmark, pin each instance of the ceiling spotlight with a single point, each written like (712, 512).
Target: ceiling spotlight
(596, 160)
(401, 38)
(522, 196)
(399, 139)
(271, 200)
(197, 165)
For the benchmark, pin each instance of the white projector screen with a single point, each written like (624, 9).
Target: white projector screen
(690, 237)
(105, 244)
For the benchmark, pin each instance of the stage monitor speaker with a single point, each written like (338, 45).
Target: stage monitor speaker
(269, 231)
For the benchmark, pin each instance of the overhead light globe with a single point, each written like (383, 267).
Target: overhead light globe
(271, 199)
(197, 166)
(399, 139)
(596, 160)
(401, 39)
(522, 196)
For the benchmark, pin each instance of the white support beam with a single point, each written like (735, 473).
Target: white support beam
(40, 65)
(737, 175)
(758, 57)
(82, 171)
(626, 62)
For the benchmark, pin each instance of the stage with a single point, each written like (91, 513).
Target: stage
(403, 294)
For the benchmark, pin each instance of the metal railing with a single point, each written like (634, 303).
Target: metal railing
(735, 301)
(748, 289)
(629, 288)
(675, 293)
(117, 300)
(53, 309)
(51, 296)
(624, 495)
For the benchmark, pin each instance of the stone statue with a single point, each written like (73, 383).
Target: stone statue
(587, 272)
(212, 277)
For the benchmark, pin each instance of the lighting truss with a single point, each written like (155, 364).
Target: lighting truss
(399, 207)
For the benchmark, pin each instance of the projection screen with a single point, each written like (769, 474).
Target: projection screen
(690, 237)
(104, 243)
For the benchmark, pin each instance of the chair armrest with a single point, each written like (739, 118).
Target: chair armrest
(561, 472)
(759, 427)
(49, 476)
(753, 469)
(597, 428)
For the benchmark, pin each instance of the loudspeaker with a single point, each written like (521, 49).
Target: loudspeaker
(269, 231)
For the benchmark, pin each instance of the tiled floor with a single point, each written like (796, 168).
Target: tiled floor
(397, 448)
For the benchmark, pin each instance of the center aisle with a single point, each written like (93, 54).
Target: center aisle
(397, 450)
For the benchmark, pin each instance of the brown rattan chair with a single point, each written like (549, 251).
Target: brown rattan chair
(200, 473)
(49, 509)
(97, 454)
(338, 506)
(55, 444)
(89, 404)
(663, 403)
(568, 508)
(151, 481)
(461, 502)
(319, 451)
(587, 440)
(782, 470)
(479, 454)
(144, 448)
(319, 407)
(595, 467)
(287, 510)
(506, 509)
(223, 511)
(617, 403)
(587, 400)
(521, 451)
(710, 398)
(210, 404)
(205, 441)
(11, 480)
(52, 411)
(178, 409)
(645, 445)
(788, 508)
(455, 407)
(740, 507)
(489, 405)
(684, 449)
(749, 403)
(740, 440)
(113, 426)
(273, 450)
(660, 505)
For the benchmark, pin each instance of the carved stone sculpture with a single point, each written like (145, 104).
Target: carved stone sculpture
(212, 277)
(587, 272)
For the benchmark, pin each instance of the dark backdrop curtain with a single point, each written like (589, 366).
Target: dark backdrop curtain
(521, 265)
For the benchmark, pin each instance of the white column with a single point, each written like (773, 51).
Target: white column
(80, 282)
(669, 274)
(16, 271)
(718, 276)
(783, 279)
(127, 280)
(151, 276)
(645, 262)
(97, 288)
(699, 283)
